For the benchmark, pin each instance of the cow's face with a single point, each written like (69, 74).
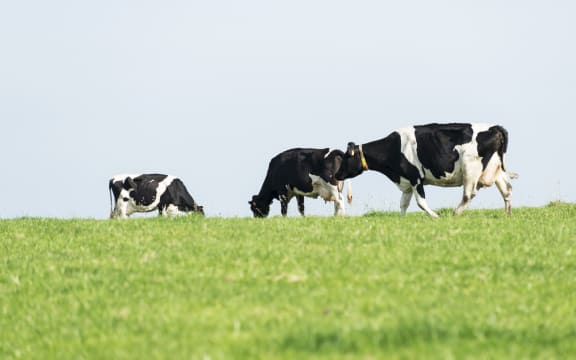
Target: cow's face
(122, 208)
(351, 163)
(259, 208)
(199, 209)
(125, 201)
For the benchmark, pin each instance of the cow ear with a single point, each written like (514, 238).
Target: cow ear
(351, 149)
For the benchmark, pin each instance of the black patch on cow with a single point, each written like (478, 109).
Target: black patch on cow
(144, 188)
(435, 146)
(145, 193)
(385, 156)
(177, 194)
(494, 140)
(128, 184)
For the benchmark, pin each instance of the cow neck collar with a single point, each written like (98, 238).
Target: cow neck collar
(362, 158)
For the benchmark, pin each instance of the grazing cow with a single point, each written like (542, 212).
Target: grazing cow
(468, 155)
(301, 172)
(149, 192)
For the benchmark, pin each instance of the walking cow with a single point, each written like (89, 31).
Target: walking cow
(149, 192)
(468, 155)
(301, 172)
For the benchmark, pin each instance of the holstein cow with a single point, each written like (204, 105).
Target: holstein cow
(149, 192)
(301, 172)
(468, 155)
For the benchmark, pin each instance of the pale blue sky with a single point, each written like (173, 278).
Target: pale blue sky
(211, 90)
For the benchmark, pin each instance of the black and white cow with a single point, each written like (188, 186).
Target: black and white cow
(468, 155)
(301, 172)
(149, 192)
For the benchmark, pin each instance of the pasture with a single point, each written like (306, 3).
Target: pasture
(482, 285)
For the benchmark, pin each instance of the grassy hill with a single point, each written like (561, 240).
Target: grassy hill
(379, 286)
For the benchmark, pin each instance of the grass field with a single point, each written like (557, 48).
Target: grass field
(378, 286)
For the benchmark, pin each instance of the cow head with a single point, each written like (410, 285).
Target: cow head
(259, 208)
(351, 163)
(199, 209)
(122, 190)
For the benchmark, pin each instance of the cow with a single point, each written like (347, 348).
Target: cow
(448, 155)
(149, 192)
(301, 172)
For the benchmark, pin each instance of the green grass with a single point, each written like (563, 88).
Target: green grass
(379, 286)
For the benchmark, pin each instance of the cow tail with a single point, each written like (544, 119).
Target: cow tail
(503, 148)
(349, 191)
(111, 200)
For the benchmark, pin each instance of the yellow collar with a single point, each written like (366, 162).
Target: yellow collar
(362, 158)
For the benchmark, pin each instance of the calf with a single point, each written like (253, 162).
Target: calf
(149, 192)
(301, 172)
(468, 155)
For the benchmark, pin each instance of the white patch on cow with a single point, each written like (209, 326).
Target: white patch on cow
(328, 153)
(452, 179)
(326, 191)
(312, 194)
(408, 145)
(171, 210)
(404, 185)
(480, 127)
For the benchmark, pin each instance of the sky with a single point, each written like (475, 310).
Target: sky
(210, 91)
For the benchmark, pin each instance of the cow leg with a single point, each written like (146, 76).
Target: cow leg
(335, 195)
(339, 209)
(284, 200)
(421, 200)
(300, 200)
(169, 210)
(466, 199)
(472, 173)
(405, 201)
(505, 188)
(470, 189)
(163, 211)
